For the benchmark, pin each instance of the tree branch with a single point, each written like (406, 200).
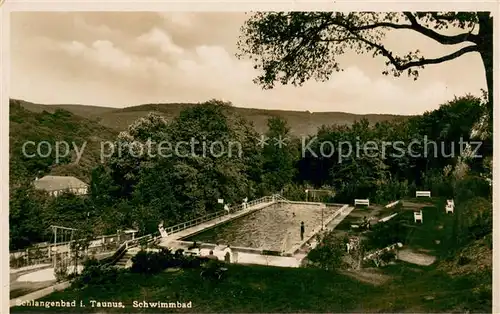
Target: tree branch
(415, 26)
(440, 38)
(421, 62)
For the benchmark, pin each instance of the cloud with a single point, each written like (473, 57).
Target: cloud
(189, 57)
(181, 19)
(102, 52)
(158, 38)
(211, 72)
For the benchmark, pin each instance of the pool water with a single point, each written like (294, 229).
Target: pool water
(267, 228)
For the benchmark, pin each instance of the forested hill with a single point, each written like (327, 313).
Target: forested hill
(57, 125)
(300, 122)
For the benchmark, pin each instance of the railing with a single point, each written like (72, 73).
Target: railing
(126, 245)
(200, 220)
(105, 241)
(278, 197)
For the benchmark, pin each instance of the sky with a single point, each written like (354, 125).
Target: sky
(121, 59)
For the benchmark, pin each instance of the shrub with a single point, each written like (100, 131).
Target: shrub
(463, 260)
(387, 233)
(391, 191)
(155, 262)
(328, 253)
(387, 256)
(61, 272)
(470, 187)
(438, 184)
(96, 274)
(473, 220)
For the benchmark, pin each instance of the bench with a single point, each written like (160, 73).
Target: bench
(423, 193)
(418, 216)
(362, 202)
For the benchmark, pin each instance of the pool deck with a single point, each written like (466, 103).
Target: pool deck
(292, 258)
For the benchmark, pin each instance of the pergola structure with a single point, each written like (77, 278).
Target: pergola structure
(62, 235)
(313, 195)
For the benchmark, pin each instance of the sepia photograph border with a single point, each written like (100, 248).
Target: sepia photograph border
(8, 6)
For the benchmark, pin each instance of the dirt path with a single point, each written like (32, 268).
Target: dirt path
(371, 276)
(410, 256)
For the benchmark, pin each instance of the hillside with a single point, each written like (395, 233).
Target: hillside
(37, 125)
(301, 122)
(93, 124)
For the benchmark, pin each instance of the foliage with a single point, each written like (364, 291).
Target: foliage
(60, 125)
(387, 257)
(129, 191)
(95, 274)
(61, 271)
(387, 233)
(328, 253)
(279, 157)
(146, 262)
(473, 220)
(472, 186)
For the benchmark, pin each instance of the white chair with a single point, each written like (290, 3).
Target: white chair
(449, 208)
(418, 216)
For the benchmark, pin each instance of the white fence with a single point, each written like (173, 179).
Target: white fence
(42, 253)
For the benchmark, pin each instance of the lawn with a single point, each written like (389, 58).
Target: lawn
(437, 226)
(245, 289)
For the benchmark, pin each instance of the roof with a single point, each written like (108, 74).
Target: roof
(57, 183)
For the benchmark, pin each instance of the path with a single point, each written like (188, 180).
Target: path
(409, 256)
(371, 276)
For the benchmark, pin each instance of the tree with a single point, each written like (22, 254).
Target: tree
(26, 216)
(279, 156)
(294, 47)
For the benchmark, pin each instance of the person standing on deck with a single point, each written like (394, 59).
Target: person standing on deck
(302, 230)
(227, 254)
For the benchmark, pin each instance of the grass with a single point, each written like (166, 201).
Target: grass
(287, 290)
(437, 226)
(245, 289)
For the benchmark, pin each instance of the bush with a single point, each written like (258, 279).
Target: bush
(328, 253)
(391, 191)
(470, 187)
(155, 262)
(96, 274)
(387, 256)
(473, 220)
(438, 184)
(61, 272)
(387, 233)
